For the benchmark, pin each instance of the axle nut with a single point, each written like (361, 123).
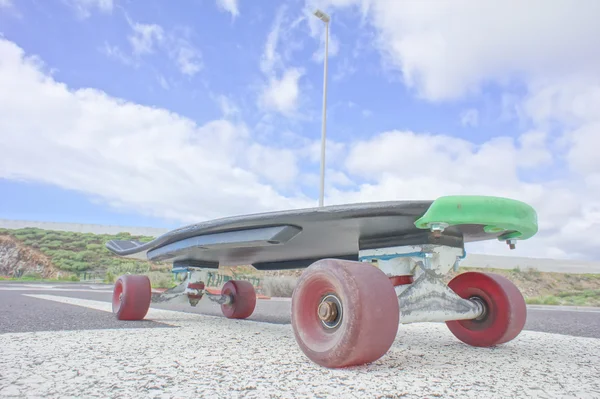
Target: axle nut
(327, 311)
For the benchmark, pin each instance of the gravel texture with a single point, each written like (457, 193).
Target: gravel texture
(207, 356)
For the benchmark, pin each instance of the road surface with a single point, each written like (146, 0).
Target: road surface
(20, 312)
(61, 340)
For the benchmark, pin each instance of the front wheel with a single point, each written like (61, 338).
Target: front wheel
(505, 311)
(131, 297)
(344, 313)
(243, 299)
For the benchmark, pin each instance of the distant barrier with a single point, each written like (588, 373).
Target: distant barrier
(215, 279)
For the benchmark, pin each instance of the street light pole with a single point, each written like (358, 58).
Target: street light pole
(325, 18)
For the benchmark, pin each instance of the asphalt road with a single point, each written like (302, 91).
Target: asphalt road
(20, 312)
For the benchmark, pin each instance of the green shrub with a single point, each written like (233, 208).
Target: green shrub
(161, 280)
(75, 252)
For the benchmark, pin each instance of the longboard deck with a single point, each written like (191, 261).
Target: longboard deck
(296, 238)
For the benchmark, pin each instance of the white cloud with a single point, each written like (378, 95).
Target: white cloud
(132, 156)
(227, 105)
(333, 48)
(188, 58)
(277, 166)
(231, 6)
(282, 94)
(571, 103)
(336, 151)
(469, 117)
(445, 57)
(271, 59)
(337, 178)
(5, 3)
(145, 37)
(344, 68)
(118, 54)
(148, 39)
(84, 8)
(163, 82)
(534, 145)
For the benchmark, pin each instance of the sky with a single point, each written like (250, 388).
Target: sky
(163, 114)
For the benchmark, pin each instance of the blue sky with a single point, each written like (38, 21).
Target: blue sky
(213, 107)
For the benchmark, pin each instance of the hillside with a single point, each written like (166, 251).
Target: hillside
(69, 252)
(18, 260)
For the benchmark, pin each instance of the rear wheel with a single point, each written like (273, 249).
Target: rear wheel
(344, 313)
(243, 298)
(131, 297)
(505, 309)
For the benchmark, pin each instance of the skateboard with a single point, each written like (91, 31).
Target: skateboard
(367, 269)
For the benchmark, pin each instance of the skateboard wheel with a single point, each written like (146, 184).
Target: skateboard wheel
(244, 299)
(131, 297)
(505, 309)
(344, 313)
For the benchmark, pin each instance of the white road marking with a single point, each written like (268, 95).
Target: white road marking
(565, 308)
(280, 299)
(214, 356)
(172, 317)
(39, 285)
(87, 303)
(52, 289)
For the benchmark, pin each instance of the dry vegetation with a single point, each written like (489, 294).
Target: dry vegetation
(537, 287)
(41, 254)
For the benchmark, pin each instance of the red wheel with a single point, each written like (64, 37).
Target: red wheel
(244, 299)
(505, 309)
(344, 313)
(131, 297)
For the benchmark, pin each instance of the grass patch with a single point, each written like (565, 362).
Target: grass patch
(568, 298)
(161, 280)
(282, 286)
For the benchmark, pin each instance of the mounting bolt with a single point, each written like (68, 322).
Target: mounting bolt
(427, 260)
(437, 228)
(511, 243)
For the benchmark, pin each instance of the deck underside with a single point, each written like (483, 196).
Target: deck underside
(293, 239)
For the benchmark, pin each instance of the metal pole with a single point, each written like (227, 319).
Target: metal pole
(323, 129)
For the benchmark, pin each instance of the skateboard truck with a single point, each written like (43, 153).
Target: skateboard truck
(192, 287)
(428, 298)
(195, 294)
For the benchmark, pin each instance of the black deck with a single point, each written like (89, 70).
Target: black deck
(295, 238)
